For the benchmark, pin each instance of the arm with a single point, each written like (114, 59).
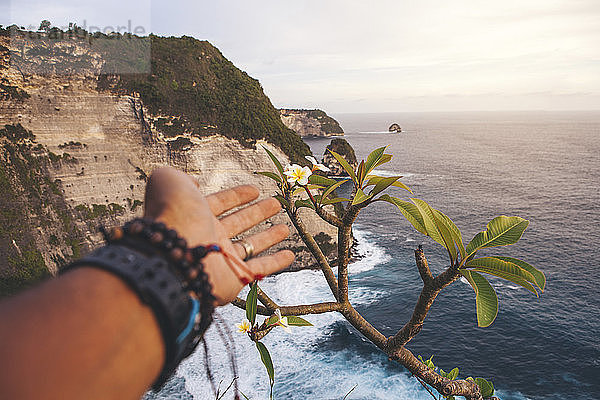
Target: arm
(87, 335)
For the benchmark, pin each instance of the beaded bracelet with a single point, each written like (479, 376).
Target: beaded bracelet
(148, 236)
(182, 298)
(154, 238)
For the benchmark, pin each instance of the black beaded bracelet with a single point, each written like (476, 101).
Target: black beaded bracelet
(168, 276)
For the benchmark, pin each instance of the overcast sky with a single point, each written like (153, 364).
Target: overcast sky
(378, 55)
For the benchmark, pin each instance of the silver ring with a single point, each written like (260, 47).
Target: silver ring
(248, 248)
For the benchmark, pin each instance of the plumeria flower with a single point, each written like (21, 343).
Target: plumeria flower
(317, 165)
(244, 327)
(297, 174)
(281, 321)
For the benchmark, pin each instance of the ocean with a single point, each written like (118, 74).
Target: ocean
(542, 166)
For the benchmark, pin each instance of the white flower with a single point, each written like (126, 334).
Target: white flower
(281, 321)
(297, 174)
(244, 327)
(316, 165)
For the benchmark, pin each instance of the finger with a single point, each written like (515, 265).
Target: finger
(267, 265)
(227, 199)
(263, 240)
(244, 219)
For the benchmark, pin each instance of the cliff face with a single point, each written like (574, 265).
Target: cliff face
(310, 122)
(90, 152)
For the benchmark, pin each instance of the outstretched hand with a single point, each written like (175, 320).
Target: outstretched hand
(174, 198)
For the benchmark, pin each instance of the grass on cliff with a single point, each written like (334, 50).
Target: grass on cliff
(30, 200)
(192, 81)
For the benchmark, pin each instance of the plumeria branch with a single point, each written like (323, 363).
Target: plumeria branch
(301, 309)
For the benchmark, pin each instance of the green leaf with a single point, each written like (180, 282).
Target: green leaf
(361, 172)
(304, 203)
(251, 303)
(272, 319)
(345, 165)
(335, 200)
(486, 300)
(320, 180)
(266, 359)
(275, 161)
(359, 197)
(540, 278)
(331, 188)
(282, 200)
(374, 180)
(452, 375)
(486, 387)
(373, 159)
(302, 190)
(383, 184)
(454, 231)
(436, 229)
(297, 321)
(384, 158)
(271, 175)
(246, 397)
(501, 231)
(409, 210)
(503, 269)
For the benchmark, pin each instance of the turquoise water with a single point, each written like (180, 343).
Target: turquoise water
(541, 166)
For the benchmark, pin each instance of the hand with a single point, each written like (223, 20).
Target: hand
(173, 198)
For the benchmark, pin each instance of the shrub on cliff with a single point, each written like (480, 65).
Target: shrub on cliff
(193, 80)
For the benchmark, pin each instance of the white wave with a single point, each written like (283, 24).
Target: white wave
(370, 252)
(302, 370)
(387, 173)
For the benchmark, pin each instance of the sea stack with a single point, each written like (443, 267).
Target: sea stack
(343, 148)
(395, 128)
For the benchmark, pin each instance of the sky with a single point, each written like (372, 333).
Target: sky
(378, 55)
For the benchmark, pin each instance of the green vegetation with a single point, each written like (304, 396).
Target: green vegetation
(96, 211)
(341, 146)
(28, 196)
(23, 271)
(192, 80)
(328, 125)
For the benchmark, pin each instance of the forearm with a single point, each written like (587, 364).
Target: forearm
(83, 335)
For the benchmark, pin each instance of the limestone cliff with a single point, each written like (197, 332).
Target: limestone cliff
(76, 153)
(310, 122)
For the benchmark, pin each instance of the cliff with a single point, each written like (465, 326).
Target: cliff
(76, 148)
(310, 122)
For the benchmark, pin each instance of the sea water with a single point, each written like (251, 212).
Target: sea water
(542, 166)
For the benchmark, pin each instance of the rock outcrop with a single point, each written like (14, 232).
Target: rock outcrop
(87, 155)
(310, 122)
(343, 148)
(395, 128)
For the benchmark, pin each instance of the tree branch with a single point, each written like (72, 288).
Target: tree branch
(314, 248)
(445, 386)
(431, 288)
(301, 309)
(266, 300)
(422, 266)
(344, 242)
(328, 217)
(240, 303)
(405, 357)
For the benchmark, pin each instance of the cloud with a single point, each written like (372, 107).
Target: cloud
(319, 53)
